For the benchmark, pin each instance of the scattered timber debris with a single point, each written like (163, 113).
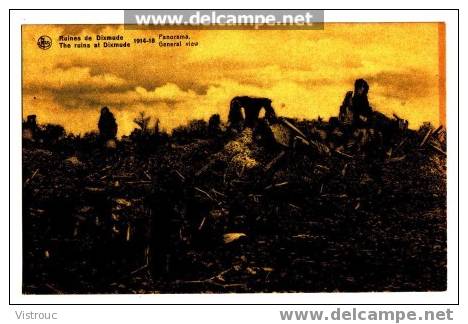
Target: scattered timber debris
(267, 205)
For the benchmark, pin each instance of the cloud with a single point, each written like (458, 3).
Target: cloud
(305, 73)
(73, 79)
(404, 85)
(168, 92)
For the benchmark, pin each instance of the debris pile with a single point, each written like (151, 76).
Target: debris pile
(278, 205)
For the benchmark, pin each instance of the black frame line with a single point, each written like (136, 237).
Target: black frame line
(224, 304)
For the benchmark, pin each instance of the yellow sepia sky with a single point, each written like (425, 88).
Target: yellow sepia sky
(305, 72)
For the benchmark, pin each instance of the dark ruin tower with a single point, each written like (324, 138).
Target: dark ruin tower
(355, 107)
(360, 102)
(107, 125)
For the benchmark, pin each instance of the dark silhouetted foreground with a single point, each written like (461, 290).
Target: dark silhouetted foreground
(270, 204)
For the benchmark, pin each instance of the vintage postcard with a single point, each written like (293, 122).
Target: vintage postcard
(171, 159)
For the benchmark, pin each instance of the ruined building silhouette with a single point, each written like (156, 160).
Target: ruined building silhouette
(251, 107)
(355, 107)
(107, 125)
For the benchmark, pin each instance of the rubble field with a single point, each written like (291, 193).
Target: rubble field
(298, 206)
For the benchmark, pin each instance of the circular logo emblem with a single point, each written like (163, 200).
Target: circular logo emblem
(44, 42)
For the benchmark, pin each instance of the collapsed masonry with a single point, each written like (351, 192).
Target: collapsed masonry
(244, 111)
(356, 118)
(355, 108)
(205, 217)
